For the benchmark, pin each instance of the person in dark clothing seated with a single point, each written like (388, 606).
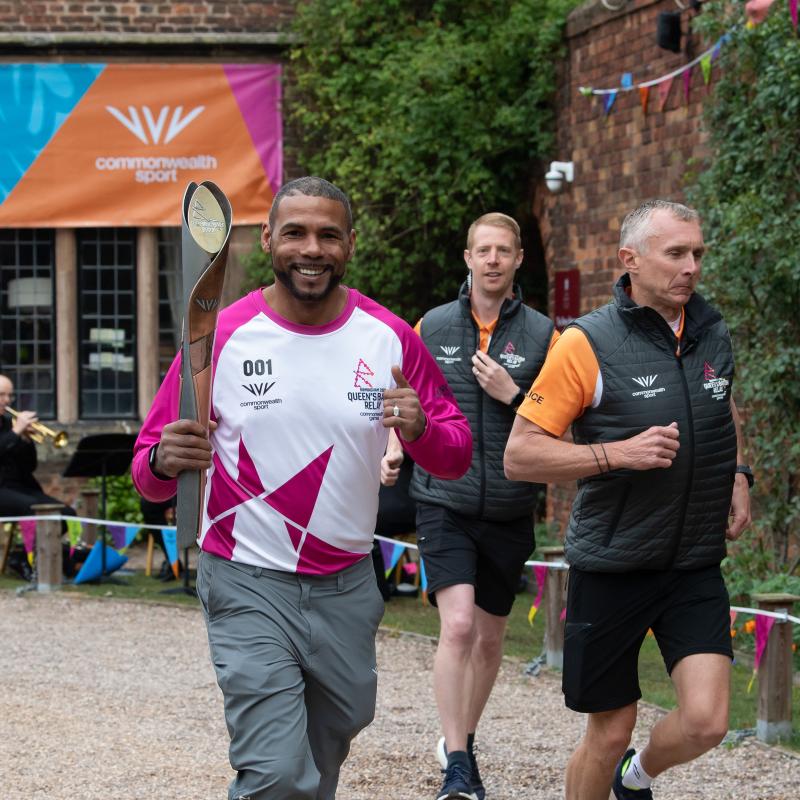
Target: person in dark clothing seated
(19, 489)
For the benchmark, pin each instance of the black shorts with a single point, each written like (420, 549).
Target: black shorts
(608, 615)
(487, 555)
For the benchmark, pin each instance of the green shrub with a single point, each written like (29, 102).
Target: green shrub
(747, 193)
(427, 114)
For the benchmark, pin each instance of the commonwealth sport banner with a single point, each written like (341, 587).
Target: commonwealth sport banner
(114, 144)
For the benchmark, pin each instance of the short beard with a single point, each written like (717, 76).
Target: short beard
(285, 277)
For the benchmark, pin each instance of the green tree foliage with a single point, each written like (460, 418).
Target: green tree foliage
(748, 197)
(122, 499)
(427, 114)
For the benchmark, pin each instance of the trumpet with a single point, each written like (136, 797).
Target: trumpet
(42, 432)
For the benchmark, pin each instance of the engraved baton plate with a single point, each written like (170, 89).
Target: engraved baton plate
(206, 220)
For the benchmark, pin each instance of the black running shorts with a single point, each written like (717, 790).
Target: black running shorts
(608, 615)
(488, 555)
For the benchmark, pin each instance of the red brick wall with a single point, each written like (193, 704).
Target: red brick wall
(620, 159)
(248, 16)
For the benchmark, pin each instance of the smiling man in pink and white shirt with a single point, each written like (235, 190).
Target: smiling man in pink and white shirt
(308, 378)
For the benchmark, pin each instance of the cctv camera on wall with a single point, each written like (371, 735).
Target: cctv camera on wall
(561, 172)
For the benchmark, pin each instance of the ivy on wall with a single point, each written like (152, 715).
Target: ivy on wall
(427, 114)
(747, 194)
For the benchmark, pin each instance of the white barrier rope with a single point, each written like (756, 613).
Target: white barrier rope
(783, 616)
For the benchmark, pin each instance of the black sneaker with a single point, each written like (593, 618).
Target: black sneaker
(456, 783)
(623, 792)
(475, 782)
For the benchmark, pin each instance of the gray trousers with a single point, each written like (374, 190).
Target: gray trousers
(295, 660)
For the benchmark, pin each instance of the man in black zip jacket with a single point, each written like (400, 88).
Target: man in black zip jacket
(645, 382)
(475, 533)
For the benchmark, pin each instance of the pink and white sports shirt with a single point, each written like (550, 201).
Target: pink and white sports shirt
(295, 473)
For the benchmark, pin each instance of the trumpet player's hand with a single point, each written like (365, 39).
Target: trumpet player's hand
(22, 423)
(184, 445)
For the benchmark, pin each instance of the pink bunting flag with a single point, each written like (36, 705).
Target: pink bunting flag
(793, 12)
(563, 615)
(663, 92)
(28, 528)
(687, 82)
(540, 573)
(763, 628)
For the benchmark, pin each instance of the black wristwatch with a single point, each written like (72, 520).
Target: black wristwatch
(745, 470)
(152, 461)
(517, 401)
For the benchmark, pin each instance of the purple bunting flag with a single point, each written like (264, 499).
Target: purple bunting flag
(687, 82)
(117, 536)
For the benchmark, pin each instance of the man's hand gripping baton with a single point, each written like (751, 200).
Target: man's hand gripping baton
(207, 219)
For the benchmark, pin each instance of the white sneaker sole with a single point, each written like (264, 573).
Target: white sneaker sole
(441, 753)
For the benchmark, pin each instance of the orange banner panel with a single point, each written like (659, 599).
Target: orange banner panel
(141, 132)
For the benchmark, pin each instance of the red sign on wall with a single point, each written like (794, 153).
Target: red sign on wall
(568, 297)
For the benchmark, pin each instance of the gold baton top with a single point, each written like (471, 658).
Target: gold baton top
(206, 220)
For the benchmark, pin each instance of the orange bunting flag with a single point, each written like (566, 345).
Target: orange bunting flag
(644, 94)
(663, 92)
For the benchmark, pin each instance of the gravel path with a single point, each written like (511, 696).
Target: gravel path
(106, 700)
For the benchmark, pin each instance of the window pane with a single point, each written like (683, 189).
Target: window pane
(107, 337)
(27, 331)
(170, 303)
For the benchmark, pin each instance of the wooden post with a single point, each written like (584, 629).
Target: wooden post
(774, 717)
(554, 599)
(90, 499)
(48, 547)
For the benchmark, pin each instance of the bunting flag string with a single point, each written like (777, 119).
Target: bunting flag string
(626, 82)
(757, 11)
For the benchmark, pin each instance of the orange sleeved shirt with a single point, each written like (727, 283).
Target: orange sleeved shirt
(569, 382)
(485, 331)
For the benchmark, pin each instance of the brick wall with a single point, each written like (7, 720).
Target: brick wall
(620, 159)
(248, 16)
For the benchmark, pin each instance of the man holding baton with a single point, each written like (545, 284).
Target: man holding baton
(309, 376)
